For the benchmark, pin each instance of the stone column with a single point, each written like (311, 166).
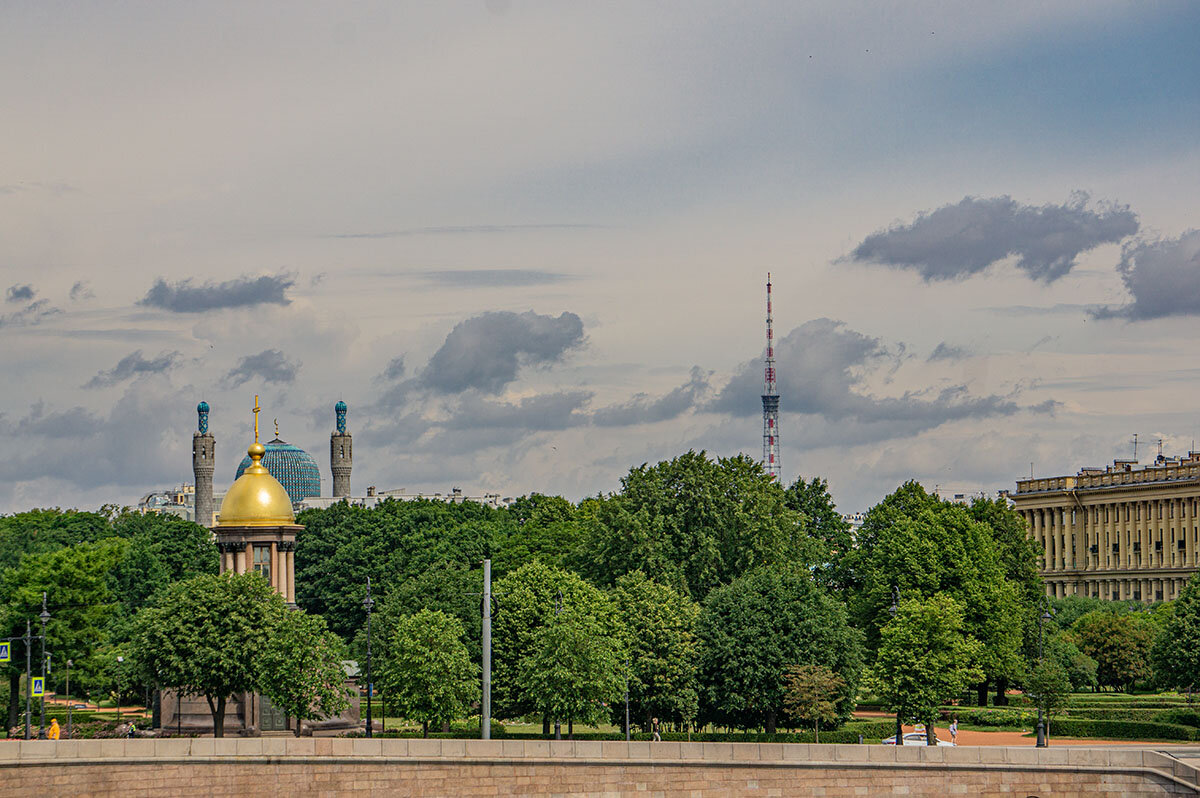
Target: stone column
(291, 574)
(1064, 538)
(1189, 539)
(276, 582)
(248, 558)
(1147, 541)
(1043, 537)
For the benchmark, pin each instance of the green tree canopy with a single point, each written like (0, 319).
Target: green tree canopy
(692, 523)
(425, 672)
(162, 549)
(753, 629)
(1049, 685)
(826, 527)
(811, 694)
(527, 600)
(1176, 651)
(300, 668)
(1120, 644)
(925, 658)
(204, 636)
(660, 638)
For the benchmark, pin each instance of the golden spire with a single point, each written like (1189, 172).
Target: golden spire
(256, 411)
(256, 498)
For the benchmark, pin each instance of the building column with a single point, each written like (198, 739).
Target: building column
(275, 581)
(1147, 543)
(1043, 538)
(248, 558)
(1189, 540)
(291, 574)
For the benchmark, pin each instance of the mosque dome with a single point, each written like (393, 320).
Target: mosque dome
(256, 498)
(202, 407)
(294, 468)
(340, 407)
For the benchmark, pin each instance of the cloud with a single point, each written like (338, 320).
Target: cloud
(31, 314)
(184, 297)
(486, 352)
(945, 351)
(394, 369)
(471, 229)
(133, 365)
(269, 365)
(820, 370)
(19, 293)
(1163, 276)
(642, 409)
(493, 278)
(81, 290)
(956, 241)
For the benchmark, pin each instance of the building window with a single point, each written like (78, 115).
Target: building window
(262, 561)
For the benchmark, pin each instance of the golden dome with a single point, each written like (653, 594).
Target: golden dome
(256, 498)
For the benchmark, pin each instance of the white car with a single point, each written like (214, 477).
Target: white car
(913, 738)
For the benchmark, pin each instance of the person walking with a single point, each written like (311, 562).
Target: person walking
(654, 727)
(53, 732)
(954, 730)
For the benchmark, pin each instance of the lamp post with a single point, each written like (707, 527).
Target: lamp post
(44, 616)
(892, 611)
(119, 661)
(368, 604)
(1041, 725)
(70, 703)
(628, 664)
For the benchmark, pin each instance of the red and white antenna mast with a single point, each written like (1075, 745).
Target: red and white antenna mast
(770, 401)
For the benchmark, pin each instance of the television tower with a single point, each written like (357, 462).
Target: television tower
(770, 400)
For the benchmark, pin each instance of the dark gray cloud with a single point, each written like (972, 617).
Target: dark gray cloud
(493, 278)
(269, 365)
(185, 297)
(19, 293)
(480, 423)
(945, 351)
(81, 290)
(643, 409)
(486, 352)
(1163, 276)
(394, 369)
(133, 365)
(959, 240)
(820, 371)
(469, 229)
(31, 314)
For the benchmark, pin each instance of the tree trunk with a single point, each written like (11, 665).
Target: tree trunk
(981, 692)
(218, 714)
(771, 722)
(14, 699)
(930, 733)
(425, 728)
(156, 713)
(545, 725)
(1001, 689)
(570, 728)
(816, 731)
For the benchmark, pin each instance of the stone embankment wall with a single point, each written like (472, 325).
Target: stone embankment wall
(331, 768)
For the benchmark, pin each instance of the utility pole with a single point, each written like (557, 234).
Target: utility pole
(627, 667)
(44, 616)
(28, 675)
(368, 603)
(485, 719)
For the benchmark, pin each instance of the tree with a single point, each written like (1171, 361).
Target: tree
(1050, 688)
(424, 669)
(527, 600)
(452, 589)
(1176, 652)
(925, 658)
(916, 543)
(1079, 667)
(574, 669)
(204, 636)
(543, 528)
(300, 669)
(811, 694)
(1120, 644)
(825, 526)
(691, 523)
(753, 629)
(162, 549)
(660, 639)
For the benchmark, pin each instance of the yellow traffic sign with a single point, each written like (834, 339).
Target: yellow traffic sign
(5, 652)
(38, 686)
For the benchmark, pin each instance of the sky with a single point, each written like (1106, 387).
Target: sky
(527, 242)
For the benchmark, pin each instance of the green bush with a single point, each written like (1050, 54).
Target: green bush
(870, 730)
(991, 716)
(1122, 730)
(1182, 716)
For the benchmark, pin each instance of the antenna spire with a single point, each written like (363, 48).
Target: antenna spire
(770, 401)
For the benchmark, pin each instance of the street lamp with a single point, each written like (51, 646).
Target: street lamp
(627, 666)
(1041, 725)
(44, 616)
(119, 661)
(368, 604)
(892, 611)
(70, 702)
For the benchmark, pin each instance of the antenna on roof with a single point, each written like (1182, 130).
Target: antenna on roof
(1135, 447)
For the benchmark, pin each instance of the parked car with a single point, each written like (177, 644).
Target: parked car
(913, 738)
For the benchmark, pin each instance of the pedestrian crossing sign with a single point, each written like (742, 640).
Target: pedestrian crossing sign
(5, 652)
(38, 686)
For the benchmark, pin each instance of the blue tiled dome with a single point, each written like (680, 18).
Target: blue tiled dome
(295, 469)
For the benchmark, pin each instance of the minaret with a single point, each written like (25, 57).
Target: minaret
(770, 401)
(204, 448)
(341, 454)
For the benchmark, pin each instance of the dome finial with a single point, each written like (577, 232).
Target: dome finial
(257, 409)
(202, 412)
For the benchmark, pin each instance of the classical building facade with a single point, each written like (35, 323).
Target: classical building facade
(1121, 532)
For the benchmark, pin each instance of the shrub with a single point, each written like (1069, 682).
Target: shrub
(1122, 730)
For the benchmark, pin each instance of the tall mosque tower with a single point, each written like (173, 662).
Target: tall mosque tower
(204, 448)
(341, 454)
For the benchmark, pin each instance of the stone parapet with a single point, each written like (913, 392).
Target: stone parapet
(358, 766)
